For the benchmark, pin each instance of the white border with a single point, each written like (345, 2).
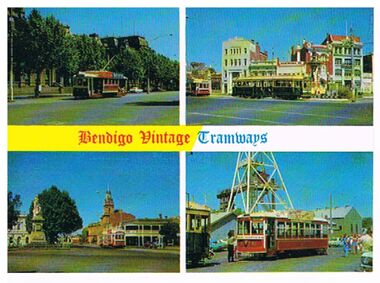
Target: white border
(185, 277)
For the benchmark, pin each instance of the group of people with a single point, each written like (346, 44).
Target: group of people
(356, 243)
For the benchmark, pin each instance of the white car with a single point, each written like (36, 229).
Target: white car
(135, 89)
(366, 261)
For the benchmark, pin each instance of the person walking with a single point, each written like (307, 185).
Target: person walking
(346, 245)
(355, 244)
(230, 245)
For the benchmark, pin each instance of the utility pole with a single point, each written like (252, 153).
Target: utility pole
(330, 213)
(352, 66)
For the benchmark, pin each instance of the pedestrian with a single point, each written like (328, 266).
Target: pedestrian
(230, 245)
(346, 245)
(355, 244)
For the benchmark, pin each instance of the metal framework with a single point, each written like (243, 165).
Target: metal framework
(259, 183)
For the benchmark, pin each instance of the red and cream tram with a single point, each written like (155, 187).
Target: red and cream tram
(91, 84)
(198, 87)
(275, 233)
(113, 239)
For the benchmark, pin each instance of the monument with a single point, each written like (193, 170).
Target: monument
(38, 235)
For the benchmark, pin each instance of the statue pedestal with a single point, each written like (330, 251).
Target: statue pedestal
(38, 235)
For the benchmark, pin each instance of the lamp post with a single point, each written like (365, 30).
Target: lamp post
(148, 66)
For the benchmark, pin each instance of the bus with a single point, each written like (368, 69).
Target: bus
(271, 234)
(113, 239)
(198, 87)
(198, 222)
(284, 86)
(94, 84)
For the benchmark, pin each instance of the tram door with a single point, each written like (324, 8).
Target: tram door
(270, 234)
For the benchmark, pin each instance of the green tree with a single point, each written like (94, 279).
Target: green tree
(129, 62)
(91, 53)
(84, 235)
(170, 231)
(367, 223)
(14, 204)
(38, 52)
(60, 213)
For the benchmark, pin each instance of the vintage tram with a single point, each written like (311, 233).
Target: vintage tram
(197, 232)
(113, 239)
(271, 234)
(94, 84)
(198, 87)
(284, 87)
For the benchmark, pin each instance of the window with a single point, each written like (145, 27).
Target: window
(232, 62)
(352, 228)
(338, 72)
(347, 61)
(338, 61)
(226, 51)
(280, 229)
(357, 73)
(239, 62)
(302, 229)
(225, 74)
(357, 62)
(235, 61)
(245, 50)
(257, 228)
(225, 62)
(245, 62)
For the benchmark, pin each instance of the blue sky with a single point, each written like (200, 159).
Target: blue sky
(150, 23)
(144, 184)
(310, 177)
(275, 29)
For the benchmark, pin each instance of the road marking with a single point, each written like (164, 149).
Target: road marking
(234, 117)
(296, 113)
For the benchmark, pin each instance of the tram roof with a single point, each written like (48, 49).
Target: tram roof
(102, 74)
(289, 214)
(271, 78)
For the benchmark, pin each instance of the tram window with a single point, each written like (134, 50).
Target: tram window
(280, 229)
(302, 229)
(257, 228)
(325, 231)
(287, 230)
(312, 231)
(294, 230)
(246, 227)
(318, 231)
(307, 230)
(240, 230)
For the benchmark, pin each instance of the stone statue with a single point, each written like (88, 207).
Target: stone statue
(36, 207)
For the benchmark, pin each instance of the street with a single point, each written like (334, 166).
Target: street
(133, 109)
(228, 110)
(334, 261)
(93, 260)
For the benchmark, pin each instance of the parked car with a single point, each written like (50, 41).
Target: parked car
(219, 245)
(366, 261)
(135, 89)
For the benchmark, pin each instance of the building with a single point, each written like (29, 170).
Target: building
(345, 220)
(111, 219)
(142, 232)
(221, 224)
(367, 86)
(18, 235)
(263, 68)
(237, 55)
(346, 64)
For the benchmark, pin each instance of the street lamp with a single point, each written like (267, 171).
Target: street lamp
(148, 67)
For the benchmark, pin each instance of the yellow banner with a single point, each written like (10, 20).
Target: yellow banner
(102, 138)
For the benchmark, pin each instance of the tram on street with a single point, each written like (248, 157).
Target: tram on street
(113, 239)
(284, 87)
(198, 87)
(271, 234)
(198, 224)
(94, 84)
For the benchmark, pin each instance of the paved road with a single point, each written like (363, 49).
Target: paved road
(334, 261)
(92, 260)
(132, 109)
(227, 110)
